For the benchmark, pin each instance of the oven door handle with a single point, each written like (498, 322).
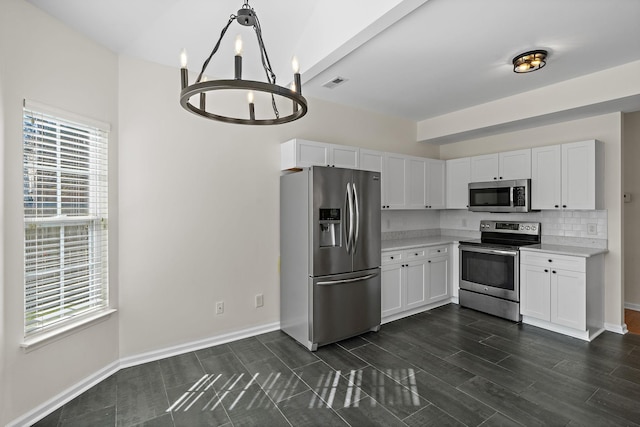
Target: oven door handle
(488, 251)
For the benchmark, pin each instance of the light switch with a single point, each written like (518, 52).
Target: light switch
(627, 197)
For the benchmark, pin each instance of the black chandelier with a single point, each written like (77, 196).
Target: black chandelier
(246, 16)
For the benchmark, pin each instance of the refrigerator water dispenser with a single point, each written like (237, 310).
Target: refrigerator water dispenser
(330, 226)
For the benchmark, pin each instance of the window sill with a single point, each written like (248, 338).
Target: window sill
(33, 343)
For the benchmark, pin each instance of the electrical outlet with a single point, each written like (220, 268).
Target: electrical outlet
(592, 228)
(220, 307)
(259, 300)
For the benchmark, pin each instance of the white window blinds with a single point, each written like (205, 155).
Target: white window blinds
(65, 217)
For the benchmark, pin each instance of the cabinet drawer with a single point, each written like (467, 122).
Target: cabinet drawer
(439, 250)
(563, 262)
(416, 253)
(392, 257)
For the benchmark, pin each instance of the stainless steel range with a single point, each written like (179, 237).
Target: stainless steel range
(490, 267)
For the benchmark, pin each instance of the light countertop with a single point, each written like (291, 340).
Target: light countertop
(415, 242)
(565, 250)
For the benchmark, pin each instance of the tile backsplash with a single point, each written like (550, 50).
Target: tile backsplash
(573, 228)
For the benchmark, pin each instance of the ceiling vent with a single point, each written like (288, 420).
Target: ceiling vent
(336, 81)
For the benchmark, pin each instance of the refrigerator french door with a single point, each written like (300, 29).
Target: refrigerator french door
(330, 254)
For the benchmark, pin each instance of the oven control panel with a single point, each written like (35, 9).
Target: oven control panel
(513, 227)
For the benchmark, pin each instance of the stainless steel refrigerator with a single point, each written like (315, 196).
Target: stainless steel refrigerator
(329, 254)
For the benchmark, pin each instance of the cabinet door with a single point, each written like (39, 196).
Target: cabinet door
(310, 153)
(374, 161)
(484, 168)
(343, 156)
(535, 292)
(568, 299)
(579, 175)
(434, 186)
(394, 182)
(416, 283)
(457, 183)
(392, 294)
(546, 177)
(416, 180)
(371, 160)
(515, 164)
(438, 279)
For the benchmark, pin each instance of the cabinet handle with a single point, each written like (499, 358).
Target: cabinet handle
(564, 206)
(391, 257)
(429, 261)
(557, 206)
(438, 250)
(546, 271)
(554, 272)
(495, 177)
(550, 260)
(500, 177)
(416, 254)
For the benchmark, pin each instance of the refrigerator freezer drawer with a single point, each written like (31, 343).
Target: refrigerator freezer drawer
(345, 306)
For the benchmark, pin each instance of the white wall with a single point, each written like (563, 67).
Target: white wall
(632, 210)
(199, 208)
(46, 62)
(606, 128)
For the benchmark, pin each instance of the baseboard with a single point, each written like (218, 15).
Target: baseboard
(618, 329)
(74, 391)
(152, 356)
(69, 394)
(631, 306)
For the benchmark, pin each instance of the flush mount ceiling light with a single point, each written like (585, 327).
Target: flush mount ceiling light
(247, 17)
(529, 61)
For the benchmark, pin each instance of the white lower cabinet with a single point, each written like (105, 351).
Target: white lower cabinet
(415, 278)
(563, 293)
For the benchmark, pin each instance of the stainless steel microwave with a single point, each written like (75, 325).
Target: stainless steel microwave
(500, 196)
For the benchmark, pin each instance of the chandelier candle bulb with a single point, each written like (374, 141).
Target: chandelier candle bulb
(295, 104)
(296, 75)
(252, 111)
(238, 58)
(203, 97)
(184, 73)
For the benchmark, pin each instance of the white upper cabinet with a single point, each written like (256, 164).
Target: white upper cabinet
(546, 177)
(395, 183)
(458, 178)
(501, 166)
(300, 153)
(582, 177)
(423, 182)
(374, 161)
(416, 182)
(435, 184)
(567, 176)
(484, 168)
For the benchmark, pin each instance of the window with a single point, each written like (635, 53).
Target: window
(65, 217)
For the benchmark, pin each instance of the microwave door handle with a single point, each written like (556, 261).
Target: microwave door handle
(357, 215)
(513, 190)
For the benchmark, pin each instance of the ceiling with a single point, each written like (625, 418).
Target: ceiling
(415, 59)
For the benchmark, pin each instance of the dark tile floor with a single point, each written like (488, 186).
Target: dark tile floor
(448, 366)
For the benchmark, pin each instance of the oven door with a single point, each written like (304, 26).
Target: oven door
(490, 271)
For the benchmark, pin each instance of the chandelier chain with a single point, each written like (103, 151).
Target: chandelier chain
(266, 64)
(215, 49)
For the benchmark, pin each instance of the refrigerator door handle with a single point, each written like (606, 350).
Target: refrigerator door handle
(338, 282)
(357, 225)
(349, 205)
